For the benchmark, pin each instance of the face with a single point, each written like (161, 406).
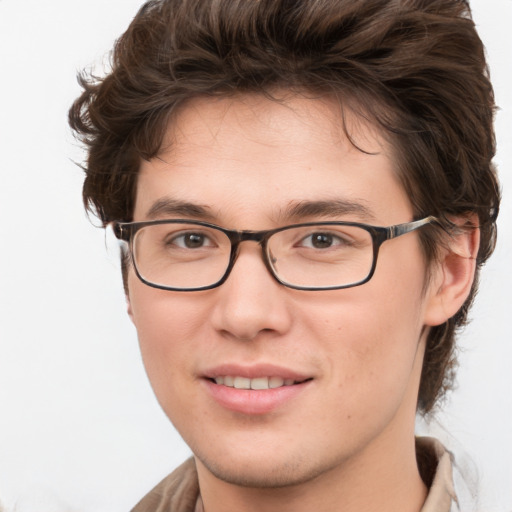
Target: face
(353, 356)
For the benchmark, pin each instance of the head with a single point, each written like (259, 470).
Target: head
(413, 72)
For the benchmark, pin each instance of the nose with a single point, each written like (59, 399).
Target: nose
(251, 302)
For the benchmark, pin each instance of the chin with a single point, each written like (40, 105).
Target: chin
(269, 475)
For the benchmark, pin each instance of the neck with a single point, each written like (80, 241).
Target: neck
(372, 481)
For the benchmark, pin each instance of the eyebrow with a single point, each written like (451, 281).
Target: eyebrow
(327, 208)
(167, 207)
(295, 211)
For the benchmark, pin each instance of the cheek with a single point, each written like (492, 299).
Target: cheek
(370, 337)
(167, 326)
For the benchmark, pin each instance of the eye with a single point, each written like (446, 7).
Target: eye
(321, 240)
(190, 240)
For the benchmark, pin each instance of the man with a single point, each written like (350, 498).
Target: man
(306, 194)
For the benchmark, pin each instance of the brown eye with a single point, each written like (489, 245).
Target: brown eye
(321, 240)
(189, 240)
(193, 240)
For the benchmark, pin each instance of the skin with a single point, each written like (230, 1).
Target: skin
(345, 441)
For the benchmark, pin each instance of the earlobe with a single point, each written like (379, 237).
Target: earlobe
(454, 273)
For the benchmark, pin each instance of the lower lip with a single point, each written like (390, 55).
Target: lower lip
(251, 401)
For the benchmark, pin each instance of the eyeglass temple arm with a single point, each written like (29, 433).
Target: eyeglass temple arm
(120, 231)
(402, 229)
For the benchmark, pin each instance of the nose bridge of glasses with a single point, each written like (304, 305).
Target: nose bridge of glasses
(260, 237)
(251, 236)
(236, 237)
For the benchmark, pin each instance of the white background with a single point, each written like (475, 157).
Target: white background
(79, 427)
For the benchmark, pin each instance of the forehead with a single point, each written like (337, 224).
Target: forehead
(284, 121)
(252, 153)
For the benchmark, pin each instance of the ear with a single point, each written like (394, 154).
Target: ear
(454, 273)
(129, 306)
(125, 269)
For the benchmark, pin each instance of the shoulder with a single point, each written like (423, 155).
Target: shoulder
(178, 492)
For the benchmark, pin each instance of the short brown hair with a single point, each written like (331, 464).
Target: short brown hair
(414, 68)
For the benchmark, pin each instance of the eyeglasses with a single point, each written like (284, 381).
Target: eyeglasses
(182, 255)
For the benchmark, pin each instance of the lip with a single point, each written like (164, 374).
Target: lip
(249, 401)
(254, 371)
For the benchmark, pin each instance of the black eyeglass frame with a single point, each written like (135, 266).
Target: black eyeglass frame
(126, 231)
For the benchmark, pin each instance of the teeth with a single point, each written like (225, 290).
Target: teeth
(275, 382)
(242, 383)
(257, 383)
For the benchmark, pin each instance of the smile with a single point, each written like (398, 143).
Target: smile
(255, 395)
(258, 383)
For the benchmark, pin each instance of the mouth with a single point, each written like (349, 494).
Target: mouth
(257, 383)
(255, 390)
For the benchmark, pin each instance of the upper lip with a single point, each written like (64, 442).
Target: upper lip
(254, 371)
